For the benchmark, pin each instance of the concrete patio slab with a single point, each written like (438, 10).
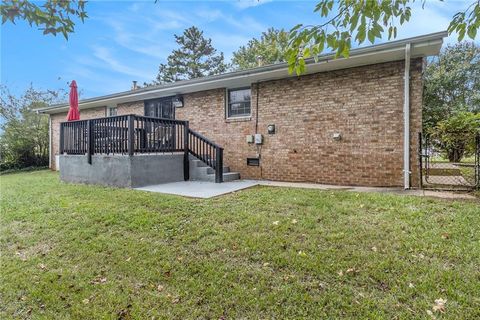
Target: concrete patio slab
(205, 189)
(398, 191)
(200, 189)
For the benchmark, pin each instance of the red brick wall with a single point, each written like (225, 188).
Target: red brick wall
(363, 104)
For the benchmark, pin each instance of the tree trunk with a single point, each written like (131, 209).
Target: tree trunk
(455, 154)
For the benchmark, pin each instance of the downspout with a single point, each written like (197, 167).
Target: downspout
(259, 147)
(406, 120)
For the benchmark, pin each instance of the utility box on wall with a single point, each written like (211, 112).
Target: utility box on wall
(258, 138)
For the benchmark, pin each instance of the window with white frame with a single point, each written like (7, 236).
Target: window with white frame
(111, 111)
(238, 102)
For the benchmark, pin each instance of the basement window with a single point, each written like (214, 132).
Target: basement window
(238, 103)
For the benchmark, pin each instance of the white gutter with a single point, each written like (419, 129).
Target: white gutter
(406, 120)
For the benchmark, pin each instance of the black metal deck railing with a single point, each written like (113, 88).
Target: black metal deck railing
(207, 151)
(134, 134)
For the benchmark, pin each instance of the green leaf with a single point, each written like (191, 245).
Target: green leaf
(294, 29)
(361, 34)
(306, 53)
(371, 36)
(472, 31)
(353, 23)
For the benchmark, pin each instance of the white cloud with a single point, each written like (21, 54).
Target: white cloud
(424, 21)
(243, 4)
(105, 56)
(138, 37)
(147, 42)
(434, 17)
(209, 14)
(246, 24)
(228, 43)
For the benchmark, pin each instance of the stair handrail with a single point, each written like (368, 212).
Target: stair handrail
(197, 143)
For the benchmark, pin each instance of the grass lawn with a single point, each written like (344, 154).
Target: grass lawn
(84, 252)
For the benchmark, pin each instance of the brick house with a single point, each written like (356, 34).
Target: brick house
(344, 122)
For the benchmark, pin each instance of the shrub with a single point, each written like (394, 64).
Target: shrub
(456, 135)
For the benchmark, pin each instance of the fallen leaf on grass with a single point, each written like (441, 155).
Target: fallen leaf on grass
(439, 305)
(302, 253)
(275, 223)
(124, 313)
(445, 236)
(430, 313)
(340, 273)
(294, 221)
(410, 285)
(86, 301)
(160, 288)
(42, 266)
(98, 280)
(374, 249)
(128, 259)
(22, 256)
(266, 264)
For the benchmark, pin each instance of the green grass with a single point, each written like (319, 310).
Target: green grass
(85, 252)
(469, 159)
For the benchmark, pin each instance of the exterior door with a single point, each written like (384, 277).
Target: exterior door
(159, 135)
(160, 108)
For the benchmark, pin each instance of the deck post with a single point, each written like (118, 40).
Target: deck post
(131, 134)
(218, 164)
(62, 138)
(186, 162)
(90, 137)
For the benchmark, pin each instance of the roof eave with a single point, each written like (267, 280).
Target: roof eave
(426, 45)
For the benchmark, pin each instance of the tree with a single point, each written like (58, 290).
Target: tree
(358, 20)
(456, 135)
(24, 133)
(195, 58)
(54, 16)
(452, 83)
(270, 48)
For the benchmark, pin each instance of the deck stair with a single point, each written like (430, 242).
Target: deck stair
(199, 171)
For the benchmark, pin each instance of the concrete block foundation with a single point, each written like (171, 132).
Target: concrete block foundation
(122, 170)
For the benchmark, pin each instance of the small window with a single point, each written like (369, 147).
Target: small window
(238, 103)
(111, 111)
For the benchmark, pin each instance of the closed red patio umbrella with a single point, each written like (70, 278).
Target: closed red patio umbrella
(73, 113)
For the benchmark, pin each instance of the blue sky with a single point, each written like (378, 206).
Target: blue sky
(123, 41)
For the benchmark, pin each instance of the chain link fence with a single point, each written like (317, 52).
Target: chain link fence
(447, 165)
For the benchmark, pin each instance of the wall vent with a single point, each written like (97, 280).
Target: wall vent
(253, 162)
